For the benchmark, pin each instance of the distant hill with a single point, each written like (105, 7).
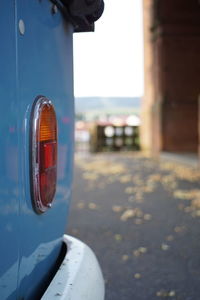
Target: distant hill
(88, 104)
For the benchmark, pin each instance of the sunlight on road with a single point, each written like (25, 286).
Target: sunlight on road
(101, 171)
(146, 215)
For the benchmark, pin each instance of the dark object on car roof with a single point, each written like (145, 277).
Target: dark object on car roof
(81, 13)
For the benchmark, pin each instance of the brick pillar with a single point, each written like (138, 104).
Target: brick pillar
(172, 75)
(149, 91)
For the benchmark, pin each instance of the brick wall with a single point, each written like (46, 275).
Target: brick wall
(172, 72)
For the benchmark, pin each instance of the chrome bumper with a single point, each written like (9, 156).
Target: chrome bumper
(79, 276)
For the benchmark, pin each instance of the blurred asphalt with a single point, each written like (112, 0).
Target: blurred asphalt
(142, 219)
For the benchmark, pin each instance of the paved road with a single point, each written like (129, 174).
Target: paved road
(142, 218)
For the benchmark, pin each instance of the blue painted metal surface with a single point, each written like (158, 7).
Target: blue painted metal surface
(9, 179)
(36, 63)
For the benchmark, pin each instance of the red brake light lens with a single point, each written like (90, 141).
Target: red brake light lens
(43, 154)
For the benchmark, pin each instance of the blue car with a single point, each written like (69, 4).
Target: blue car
(37, 127)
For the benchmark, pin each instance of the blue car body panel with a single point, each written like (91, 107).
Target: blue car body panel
(9, 179)
(38, 62)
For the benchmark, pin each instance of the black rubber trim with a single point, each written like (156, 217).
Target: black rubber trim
(82, 14)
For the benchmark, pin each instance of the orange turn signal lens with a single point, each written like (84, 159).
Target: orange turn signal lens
(48, 126)
(44, 154)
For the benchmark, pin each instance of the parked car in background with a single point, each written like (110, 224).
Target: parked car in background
(36, 163)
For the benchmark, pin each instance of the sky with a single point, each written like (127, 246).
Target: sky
(109, 62)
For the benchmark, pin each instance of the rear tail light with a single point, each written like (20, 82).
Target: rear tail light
(43, 154)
